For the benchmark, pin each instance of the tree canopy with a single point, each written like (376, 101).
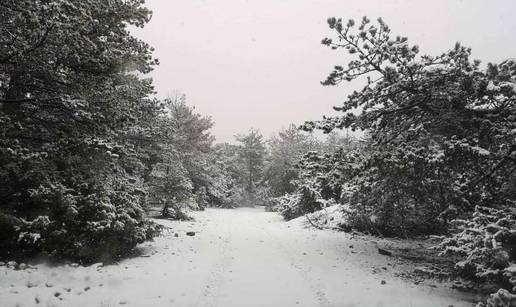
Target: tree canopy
(440, 128)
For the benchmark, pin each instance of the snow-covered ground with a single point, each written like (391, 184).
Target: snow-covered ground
(242, 257)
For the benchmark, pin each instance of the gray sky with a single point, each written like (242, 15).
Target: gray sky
(258, 63)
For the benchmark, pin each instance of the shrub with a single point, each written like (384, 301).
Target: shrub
(487, 243)
(88, 226)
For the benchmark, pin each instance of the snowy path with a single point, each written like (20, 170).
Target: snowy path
(243, 257)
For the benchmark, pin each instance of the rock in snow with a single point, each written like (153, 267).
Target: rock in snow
(384, 252)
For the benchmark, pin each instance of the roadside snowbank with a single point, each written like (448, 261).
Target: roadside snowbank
(331, 217)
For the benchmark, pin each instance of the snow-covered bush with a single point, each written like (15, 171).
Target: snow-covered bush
(324, 179)
(400, 190)
(304, 200)
(487, 241)
(487, 244)
(501, 298)
(87, 224)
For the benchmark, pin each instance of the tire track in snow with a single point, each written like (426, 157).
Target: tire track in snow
(287, 251)
(211, 292)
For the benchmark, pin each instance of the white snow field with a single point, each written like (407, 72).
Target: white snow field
(241, 257)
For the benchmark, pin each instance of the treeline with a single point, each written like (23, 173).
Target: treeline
(86, 153)
(438, 156)
(269, 170)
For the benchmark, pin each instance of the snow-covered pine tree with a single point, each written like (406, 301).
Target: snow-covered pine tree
(70, 185)
(442, 144)
(441, 130)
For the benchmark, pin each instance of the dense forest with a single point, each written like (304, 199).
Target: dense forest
(88, 154)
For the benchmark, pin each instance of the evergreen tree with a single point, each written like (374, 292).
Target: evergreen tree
(441, 130)
(286, 149)
(441, 152)
(251, 156)
(179, 173)
(68, 92)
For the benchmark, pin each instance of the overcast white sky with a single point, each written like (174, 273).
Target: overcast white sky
(258, 63)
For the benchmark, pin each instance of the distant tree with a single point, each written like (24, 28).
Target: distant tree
(226, 175)
(335, 141)
(193, 143)
(286, 149)
(251, 154)
(176, 149)
(170, 185)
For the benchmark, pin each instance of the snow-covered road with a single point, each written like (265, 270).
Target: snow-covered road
(242, 257)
